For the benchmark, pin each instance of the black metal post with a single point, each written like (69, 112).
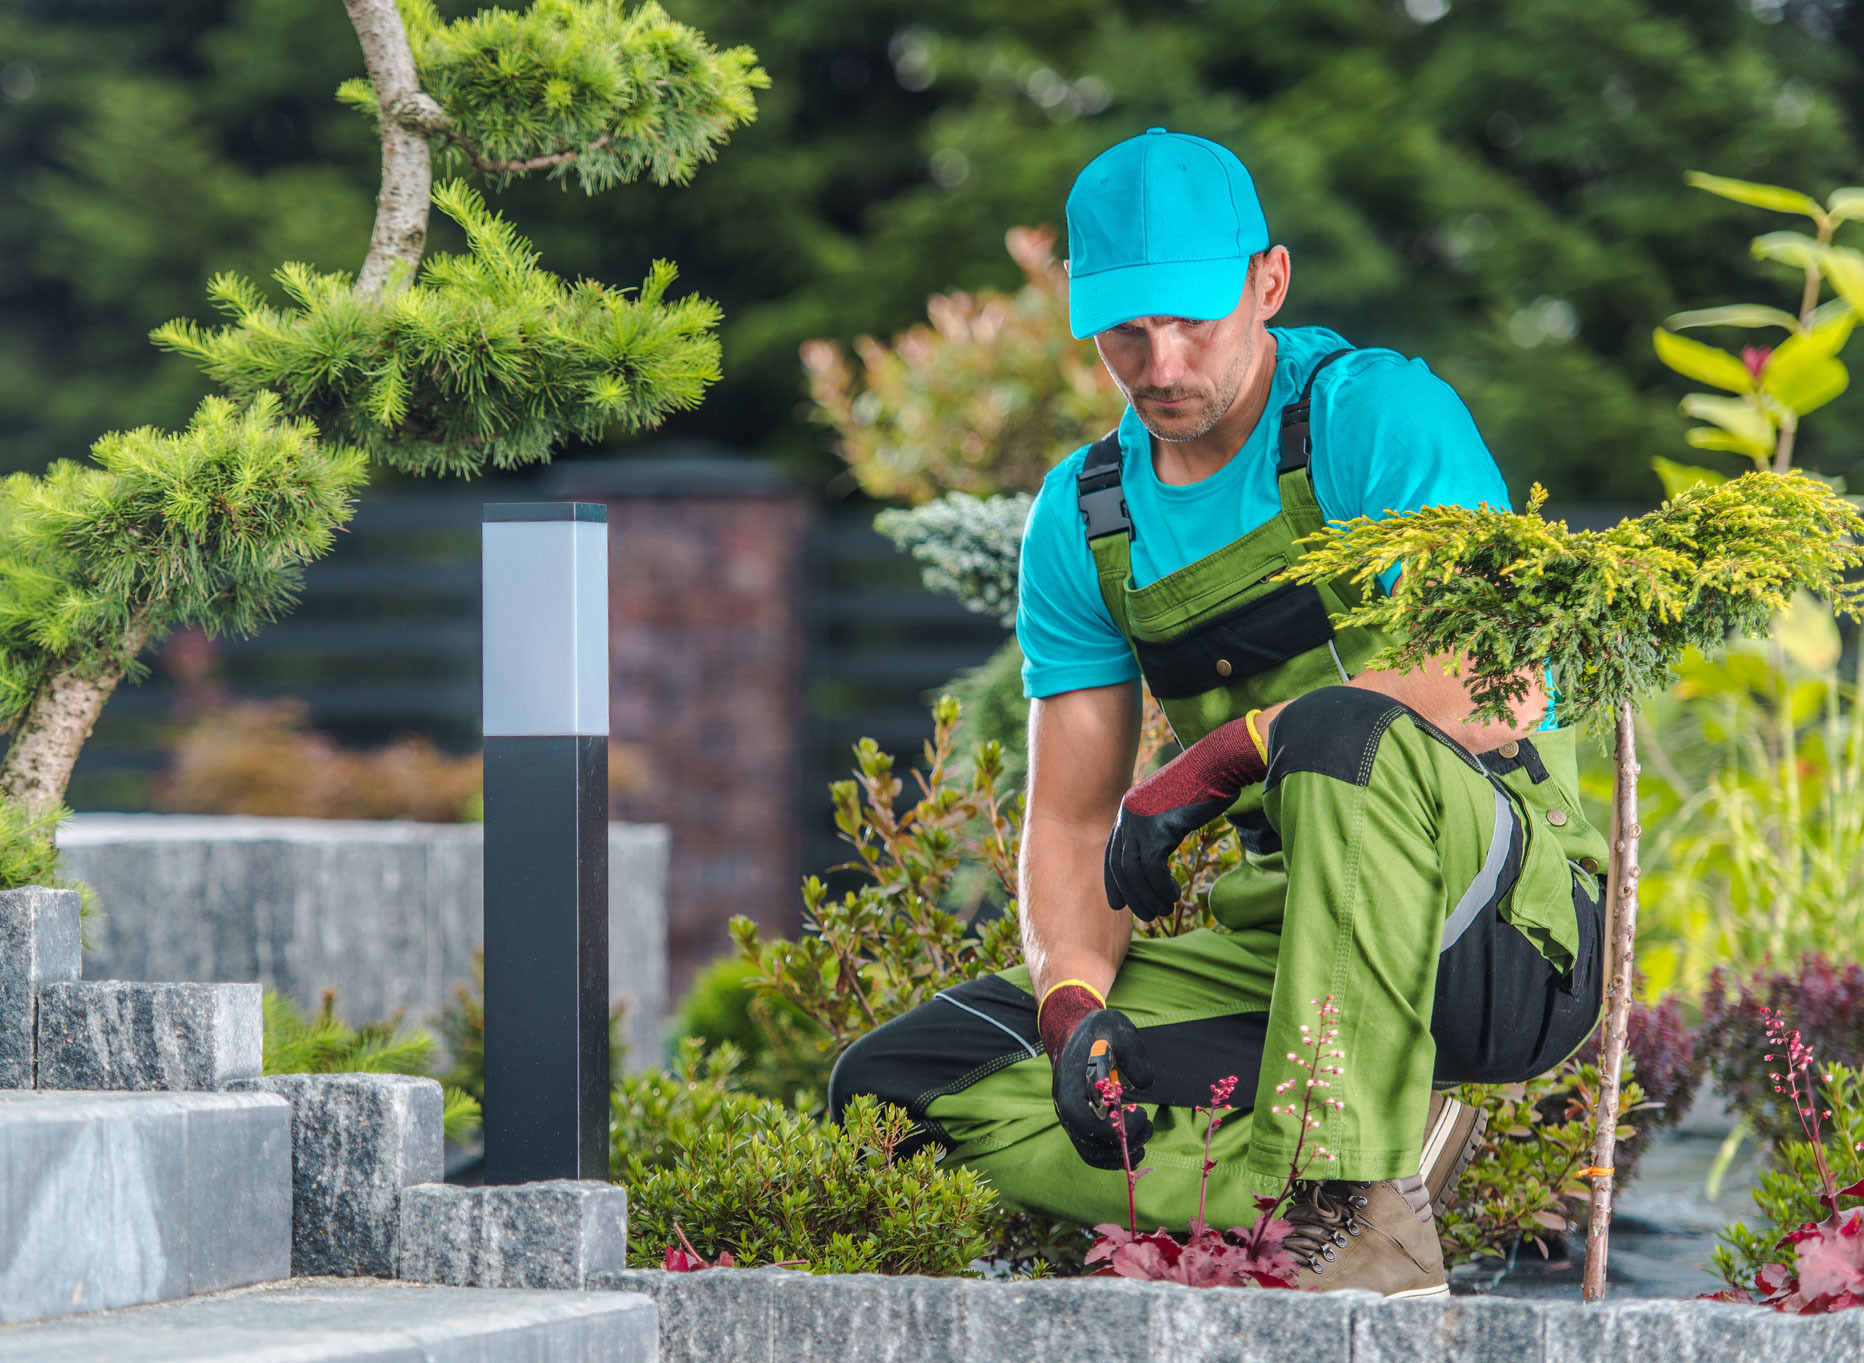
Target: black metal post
(545, 652)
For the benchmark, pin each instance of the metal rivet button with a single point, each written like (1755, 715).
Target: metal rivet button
(1557, 817)
(1510, 749)
(1590, 865)
(1223, 667)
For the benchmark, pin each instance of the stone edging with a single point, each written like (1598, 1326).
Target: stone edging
(780, 1316)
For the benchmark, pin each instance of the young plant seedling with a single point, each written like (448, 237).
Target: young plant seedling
(1610, 612)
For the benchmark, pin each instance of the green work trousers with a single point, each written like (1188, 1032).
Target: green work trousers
(1448, 904)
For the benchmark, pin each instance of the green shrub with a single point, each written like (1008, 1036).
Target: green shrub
(740, 1174)
(1524, 1185)
(326, 1044)
(28, 855)
(462, 1027)
(782, 1049)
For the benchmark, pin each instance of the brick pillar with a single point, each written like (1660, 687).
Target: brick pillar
(706, 655)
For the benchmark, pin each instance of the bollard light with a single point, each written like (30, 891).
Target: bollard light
(545, 650)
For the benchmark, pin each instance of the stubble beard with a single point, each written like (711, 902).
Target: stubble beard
(1202, 420)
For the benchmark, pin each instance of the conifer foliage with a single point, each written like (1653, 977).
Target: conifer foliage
(592, 86)
(449, 365)
(485, 360)
(206, 527)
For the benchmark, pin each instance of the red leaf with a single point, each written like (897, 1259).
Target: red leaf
(1855, 1190)
(1739, 1295)
(1274, 1232)
(1145, 1259)
(679, 1261)
(1773, 1278)
(1832, 1262)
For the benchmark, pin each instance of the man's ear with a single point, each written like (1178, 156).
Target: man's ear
(1271, 280)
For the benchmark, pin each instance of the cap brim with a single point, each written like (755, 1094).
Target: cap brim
(1201, 289)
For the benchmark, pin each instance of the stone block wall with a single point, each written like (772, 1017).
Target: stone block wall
(782, 1316)
(387, 914)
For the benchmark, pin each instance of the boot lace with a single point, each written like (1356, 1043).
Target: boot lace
(1325, 1217)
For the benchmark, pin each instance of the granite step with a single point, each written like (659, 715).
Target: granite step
(119, 1199)
(354, 1320)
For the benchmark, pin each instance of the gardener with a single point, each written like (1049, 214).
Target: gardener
(1448, 902)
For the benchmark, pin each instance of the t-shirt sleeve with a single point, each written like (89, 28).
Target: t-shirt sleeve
(1068, 639)
(1394, 437)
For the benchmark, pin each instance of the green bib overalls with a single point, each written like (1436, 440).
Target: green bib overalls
(1448, 903)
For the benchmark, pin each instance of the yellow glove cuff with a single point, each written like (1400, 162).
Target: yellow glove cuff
(1255, 734)
(1099, 997)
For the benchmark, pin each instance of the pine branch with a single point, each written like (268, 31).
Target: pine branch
(483, 360)
(208, 527)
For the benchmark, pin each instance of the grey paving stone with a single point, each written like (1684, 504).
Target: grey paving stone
(38, 946)
(1674, 1331)
(716, 1313)
(354, 1322)
(1468, 1329)
(889, 1320)
(1256, 1325)
(357, 1140)
(239, 1195)
(1747, 1334)
(115, 1199)
(557, 1233)
(107, 1034)
(1107, 1319)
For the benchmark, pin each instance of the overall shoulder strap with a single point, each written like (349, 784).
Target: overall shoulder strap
(1104, 520)
(1098, 492)
(1297, 442)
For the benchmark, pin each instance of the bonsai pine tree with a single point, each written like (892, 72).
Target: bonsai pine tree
(1611, 612)
(443, 365)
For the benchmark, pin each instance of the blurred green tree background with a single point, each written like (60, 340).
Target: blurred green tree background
(1493, 184)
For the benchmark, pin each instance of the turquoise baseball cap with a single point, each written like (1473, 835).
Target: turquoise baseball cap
(1160, 225)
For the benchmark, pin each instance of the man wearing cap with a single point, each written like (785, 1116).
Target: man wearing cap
(1435, 878)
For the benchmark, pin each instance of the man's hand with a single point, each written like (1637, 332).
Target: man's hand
(1085, 1041)
(1168, 806)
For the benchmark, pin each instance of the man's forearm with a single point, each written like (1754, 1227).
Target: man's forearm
(1069, 933)
(1444, 701)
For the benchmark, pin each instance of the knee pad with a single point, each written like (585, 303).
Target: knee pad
(1334, 731)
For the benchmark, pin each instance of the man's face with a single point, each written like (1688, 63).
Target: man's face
(1181, 375)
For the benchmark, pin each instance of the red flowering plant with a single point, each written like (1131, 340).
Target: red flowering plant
(690, 1260)
(1825, 1270)
(1250, 1256)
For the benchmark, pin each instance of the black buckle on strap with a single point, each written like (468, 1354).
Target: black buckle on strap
(1098, 491)
(1297, 441)
(1103, 507)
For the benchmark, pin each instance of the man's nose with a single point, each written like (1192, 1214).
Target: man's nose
(1165, 358)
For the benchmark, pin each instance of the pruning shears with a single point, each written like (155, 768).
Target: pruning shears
(1100, 1067)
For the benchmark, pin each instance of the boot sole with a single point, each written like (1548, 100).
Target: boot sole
(1439, 1140)
(1440, 1290)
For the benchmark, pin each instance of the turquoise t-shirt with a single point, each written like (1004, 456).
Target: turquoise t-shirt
(1389, 436)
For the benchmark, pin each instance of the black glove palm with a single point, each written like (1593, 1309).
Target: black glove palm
(1167, 807)
(1075, 1096)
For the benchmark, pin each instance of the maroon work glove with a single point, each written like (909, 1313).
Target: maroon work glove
(1071, 1020)
(1167, 807)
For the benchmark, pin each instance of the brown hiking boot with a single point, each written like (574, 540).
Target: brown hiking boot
(1363, 1235)
(1452, 1131)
